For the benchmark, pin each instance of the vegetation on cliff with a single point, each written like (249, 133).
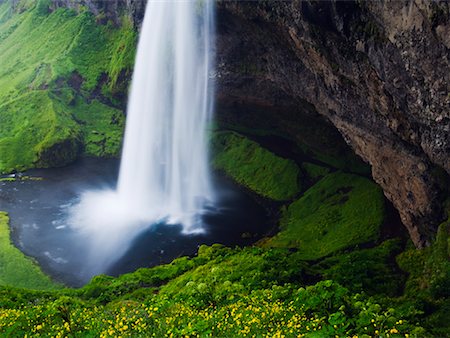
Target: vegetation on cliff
(60, 75)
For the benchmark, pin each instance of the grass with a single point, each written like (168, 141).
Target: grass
(15, 268)
(60, 78)
(340, 211)
(255, 167)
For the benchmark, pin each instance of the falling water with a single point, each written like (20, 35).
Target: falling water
(164, 169)
(164, 175)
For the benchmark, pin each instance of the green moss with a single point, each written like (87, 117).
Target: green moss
(102, 128)
(54, 65)
(340, 211)
(255, 167)
(312, 136)
(315, 171)
(15, 268)
(32, 124)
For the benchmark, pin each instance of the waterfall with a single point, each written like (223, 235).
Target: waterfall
(164, 175)
(164, 168)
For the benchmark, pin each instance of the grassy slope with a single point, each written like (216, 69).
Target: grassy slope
(54, 65)
(340, 211)
(15, 268)
(222, 292)
(255, 167)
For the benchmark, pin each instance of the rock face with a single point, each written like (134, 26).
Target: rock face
(106, 9)
(378, 71)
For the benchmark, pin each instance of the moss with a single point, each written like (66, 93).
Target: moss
(315, 171)
(255, 167)
(15, 268)
(32, 127)
(340, 211)
(53, 67)
(102, 128)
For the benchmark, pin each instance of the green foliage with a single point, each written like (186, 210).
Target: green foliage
(429, 268)
(255, 167)
(370, 270)
(222, 292)
(15, 268)
(53, 66)
(340, 211)
(221, 278)
(428, 281)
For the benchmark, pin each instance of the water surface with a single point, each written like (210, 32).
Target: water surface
(38, 212)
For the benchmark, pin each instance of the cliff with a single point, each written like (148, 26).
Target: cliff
(378, 71)
(324, 75)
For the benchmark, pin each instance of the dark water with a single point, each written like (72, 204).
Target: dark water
(38, 211)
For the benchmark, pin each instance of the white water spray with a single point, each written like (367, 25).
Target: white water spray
(164, 175)
(164, 165)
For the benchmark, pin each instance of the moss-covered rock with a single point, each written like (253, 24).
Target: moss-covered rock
(254, 167)
(36, 131)
(340, 211)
